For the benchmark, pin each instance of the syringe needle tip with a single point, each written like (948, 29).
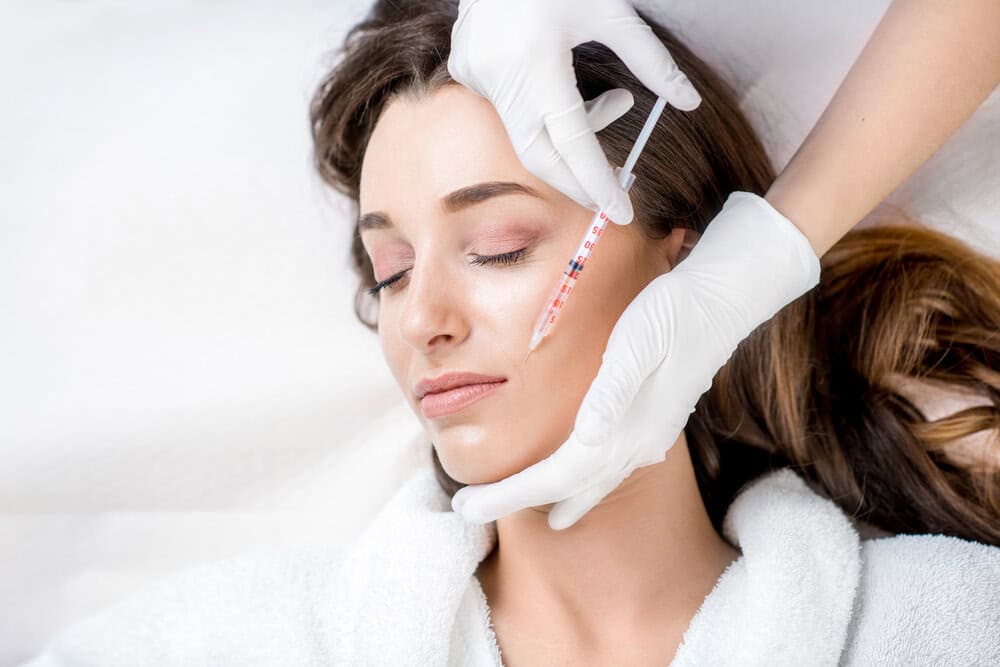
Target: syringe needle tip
(531, 348)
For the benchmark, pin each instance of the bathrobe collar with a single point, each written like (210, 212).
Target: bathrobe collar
(789, 598)
(399, 587)
(790, 594)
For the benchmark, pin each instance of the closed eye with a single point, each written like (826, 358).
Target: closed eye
(505, 258)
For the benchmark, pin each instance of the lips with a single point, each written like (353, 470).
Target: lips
(453, 392)
(449, 381)
(450, 402)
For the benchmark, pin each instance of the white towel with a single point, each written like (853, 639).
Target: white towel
(805, 591)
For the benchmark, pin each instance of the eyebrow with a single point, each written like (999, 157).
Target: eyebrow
(455, 201)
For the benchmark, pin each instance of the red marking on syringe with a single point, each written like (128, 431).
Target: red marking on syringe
(555, 304)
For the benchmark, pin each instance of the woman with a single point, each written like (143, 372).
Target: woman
(742, 545)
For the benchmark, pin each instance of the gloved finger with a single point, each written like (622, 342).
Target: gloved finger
(531, 142)
(567, 512)
(644, 54)
(608, 107)
(568, 469)
(605, 403)
(638, 345)
(541, 159)
(571, 135)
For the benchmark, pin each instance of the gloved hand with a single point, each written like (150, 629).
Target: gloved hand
(518, 55)
(661, 357)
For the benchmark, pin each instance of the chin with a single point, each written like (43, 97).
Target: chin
(476, 468)
(486, 451)
(470, 471)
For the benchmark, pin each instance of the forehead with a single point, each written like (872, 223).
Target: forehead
(424, 147)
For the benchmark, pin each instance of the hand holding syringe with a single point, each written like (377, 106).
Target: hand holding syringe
(547, 319)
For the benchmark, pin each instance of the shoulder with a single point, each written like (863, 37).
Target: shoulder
(926, 599)
(260, 608)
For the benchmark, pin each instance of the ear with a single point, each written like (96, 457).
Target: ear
(677, 245)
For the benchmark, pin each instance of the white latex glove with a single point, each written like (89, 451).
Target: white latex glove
(661, 357)
(518, 55)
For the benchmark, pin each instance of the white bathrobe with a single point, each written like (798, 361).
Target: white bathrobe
(806, 590)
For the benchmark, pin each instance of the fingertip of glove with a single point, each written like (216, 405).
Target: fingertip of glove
(686, 99)
(620, 212)
(681, 92)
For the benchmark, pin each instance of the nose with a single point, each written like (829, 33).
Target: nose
(432, 316)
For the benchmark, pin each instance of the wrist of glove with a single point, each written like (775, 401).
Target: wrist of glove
(756, 252)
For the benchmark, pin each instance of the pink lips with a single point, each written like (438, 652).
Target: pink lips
(457, 399)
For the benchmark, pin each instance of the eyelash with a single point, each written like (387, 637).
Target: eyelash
(505, 258)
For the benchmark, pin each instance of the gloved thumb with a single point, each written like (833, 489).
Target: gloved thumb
(608, 107)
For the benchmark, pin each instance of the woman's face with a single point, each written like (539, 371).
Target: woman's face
(453, 311)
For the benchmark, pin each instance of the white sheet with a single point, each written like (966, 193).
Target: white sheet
(181, 374)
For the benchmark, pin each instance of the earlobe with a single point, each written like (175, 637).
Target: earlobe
(690, 238)
(678, 244)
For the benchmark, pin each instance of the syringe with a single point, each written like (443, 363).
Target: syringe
(554, 306)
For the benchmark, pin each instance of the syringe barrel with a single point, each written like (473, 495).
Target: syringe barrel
(555, 304)
(547, 319)
(626, 178)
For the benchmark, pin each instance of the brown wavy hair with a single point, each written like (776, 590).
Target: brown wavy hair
(826, 387)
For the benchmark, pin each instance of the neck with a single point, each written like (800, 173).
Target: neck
(646, 554)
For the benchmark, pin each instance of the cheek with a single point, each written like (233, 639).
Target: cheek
(394, 350)
(559, 373)
(499, 309)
